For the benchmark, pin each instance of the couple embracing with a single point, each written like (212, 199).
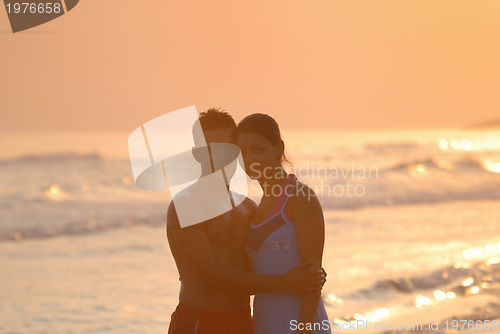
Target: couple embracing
(272, 250)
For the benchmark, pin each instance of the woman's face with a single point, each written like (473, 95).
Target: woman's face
(260, 156)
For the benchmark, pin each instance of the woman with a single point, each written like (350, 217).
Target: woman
(288, 228)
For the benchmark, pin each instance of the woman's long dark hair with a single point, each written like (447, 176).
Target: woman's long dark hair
(266, 126)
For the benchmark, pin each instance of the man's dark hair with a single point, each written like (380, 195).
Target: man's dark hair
(210, 119)
(214, 118)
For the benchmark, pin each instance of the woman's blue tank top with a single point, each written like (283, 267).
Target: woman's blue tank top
(272, 248)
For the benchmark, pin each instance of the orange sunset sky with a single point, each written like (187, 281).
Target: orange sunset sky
(111, 65)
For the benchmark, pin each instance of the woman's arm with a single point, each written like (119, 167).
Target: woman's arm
(307, 215)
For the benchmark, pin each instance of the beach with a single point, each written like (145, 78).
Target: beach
(83, 250)
(124, 280)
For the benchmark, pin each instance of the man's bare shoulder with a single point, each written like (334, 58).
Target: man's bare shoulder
(173, 219)
(247, 204)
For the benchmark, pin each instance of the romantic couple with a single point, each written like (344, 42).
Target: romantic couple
(273, 250)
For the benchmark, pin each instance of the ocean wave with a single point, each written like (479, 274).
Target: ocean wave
(386, 146)
(459, 165)
(75, 229)
(61, 157)
(459, 279)
(412, 197)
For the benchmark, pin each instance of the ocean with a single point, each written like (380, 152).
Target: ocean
(412, 232)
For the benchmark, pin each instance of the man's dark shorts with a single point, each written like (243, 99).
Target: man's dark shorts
(192, 320)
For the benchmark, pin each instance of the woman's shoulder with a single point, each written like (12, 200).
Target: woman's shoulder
(304, 208)
(302, 191)
(303, 197)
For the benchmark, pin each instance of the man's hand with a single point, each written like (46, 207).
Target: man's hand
(304, 278)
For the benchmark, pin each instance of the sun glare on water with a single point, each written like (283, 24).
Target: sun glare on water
(54, 192)
(492, 166)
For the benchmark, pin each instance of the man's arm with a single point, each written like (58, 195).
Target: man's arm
(196, 248)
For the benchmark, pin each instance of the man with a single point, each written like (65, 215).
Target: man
(216, 279)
